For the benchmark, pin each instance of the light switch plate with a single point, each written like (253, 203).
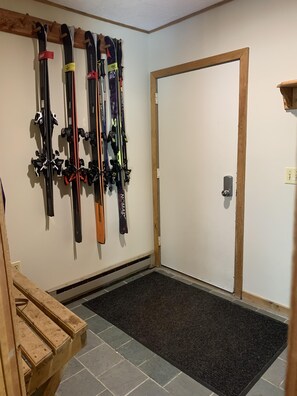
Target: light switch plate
(291, 176)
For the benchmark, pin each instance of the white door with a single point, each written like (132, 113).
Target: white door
(198, 127)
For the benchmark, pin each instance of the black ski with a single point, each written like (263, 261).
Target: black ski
(125, 168)
(95, 171)
(74, 170)
(108, 180)
(116, 133)
(46, 162)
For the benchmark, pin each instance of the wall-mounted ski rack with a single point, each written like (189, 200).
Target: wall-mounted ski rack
(24, 25)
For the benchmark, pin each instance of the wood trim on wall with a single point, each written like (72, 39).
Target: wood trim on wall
(241, 55)
(193, 14)
(291, 376)
(25, 25)
(241, 161)
(11, 372)
(266, 304)
(155, 166)
(98, 18)
(88, 15)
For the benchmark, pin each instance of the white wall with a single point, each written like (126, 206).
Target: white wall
(269, 28)
(45, 246)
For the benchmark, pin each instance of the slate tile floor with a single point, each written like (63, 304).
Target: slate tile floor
(114, 364)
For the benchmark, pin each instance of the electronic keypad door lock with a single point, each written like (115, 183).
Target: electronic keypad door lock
(228, 186)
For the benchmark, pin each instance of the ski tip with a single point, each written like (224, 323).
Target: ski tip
(123, 231)
(78, 237)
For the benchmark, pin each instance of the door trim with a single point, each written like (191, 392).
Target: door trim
(241, 55)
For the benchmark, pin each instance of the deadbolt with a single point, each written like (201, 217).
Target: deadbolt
(228, 186)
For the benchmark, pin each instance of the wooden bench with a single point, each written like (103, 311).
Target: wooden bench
(49, 335)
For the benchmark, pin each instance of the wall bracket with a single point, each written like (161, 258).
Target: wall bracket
(289, 91)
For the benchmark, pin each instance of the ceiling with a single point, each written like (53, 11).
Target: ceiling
(146, 15)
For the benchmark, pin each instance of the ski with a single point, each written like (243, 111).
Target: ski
(103, 114)
(47, 161)
(115, 135)
(74, 171)
(126, 170)
(95, 171)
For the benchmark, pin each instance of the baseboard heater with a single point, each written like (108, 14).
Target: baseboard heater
(83, 287)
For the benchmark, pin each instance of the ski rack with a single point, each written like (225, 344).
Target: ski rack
(25, 25)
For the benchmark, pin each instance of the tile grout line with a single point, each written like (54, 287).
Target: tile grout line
(111, 367)
(147, 377)
(264, 379)
(89, 317)
(130, 391)
(172, 379)
(83, 354)
(94, 333)
(106, 388)
(145, 361)
(90, 372)
(66, 379)
(125, 343)
(102, 343)
(283, 383)
(107, 328)
(152, 379)
(76, 306)
(97, 379)
(101, 290)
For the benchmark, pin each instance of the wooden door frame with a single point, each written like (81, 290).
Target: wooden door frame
(291, 374)
(241, 55)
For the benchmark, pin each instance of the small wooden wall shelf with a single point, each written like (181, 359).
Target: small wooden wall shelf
(24, 25)
(289, 91)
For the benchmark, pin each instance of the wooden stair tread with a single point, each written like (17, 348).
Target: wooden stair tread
(61, 315)
(35, 350)
(49, 333)
(48, 330)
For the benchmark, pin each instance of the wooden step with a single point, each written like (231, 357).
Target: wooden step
(50, 334)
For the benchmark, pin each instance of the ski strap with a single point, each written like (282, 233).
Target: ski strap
(112, 67)
(45, 55)
(69, 67)
(92, 75)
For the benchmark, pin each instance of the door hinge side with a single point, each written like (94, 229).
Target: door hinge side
(156, 97)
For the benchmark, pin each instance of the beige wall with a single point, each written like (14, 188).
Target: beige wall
(45, 246)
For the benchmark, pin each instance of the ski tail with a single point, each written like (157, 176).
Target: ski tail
(100, 224)
(123, 228)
